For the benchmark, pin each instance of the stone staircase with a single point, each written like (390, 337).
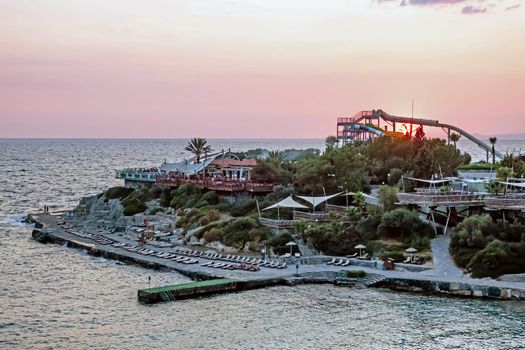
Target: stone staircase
(371, 279)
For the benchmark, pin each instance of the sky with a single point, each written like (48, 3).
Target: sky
(256, 68)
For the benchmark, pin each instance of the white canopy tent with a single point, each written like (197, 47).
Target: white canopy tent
(315, 201)
(288, 202)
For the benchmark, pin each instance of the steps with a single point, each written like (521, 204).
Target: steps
(371, 279)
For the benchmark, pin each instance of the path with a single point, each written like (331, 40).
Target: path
(443, 263)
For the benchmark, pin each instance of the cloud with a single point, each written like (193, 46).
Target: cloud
(468, 7)
(513, 7)
(471, 10)
(430, 2)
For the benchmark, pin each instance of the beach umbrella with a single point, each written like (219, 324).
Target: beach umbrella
(291, 244)
(360, 247)
(411, 251)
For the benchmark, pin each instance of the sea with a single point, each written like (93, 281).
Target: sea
(54, 297)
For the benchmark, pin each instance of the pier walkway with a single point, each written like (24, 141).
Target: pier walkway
(443, 274)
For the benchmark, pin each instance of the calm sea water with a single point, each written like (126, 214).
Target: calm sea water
(53, 297)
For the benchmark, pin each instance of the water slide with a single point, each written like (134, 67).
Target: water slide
(427, 122)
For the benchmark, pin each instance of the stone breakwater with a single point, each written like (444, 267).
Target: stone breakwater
(48, 230)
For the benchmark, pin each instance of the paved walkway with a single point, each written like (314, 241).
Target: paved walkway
(443, 263)
(445, 270)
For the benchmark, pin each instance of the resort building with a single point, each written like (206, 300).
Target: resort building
(221, 172)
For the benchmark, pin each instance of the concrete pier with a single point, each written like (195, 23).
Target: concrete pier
(48, 230)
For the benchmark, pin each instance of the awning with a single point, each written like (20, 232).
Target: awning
(288, 202)
(315, 201)
(449, 179)
(515, 184)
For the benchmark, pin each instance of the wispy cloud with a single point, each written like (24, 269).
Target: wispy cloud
(430, 2)
(471, 10)
(468, 7)
(513, 7)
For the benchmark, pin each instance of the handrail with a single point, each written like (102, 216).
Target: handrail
(359, 116)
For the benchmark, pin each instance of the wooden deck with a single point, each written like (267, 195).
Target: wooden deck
(221, 186)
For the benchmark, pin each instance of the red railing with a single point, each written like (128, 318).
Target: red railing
(222, 185)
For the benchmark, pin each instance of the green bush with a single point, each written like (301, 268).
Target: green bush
(155, 211)
(355, 274)
(211, 197)
(213, 235)
(278, 243)
(402, 223)
(118, 192)
(242, 207)
(133, 206)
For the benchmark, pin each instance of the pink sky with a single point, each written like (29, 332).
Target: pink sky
(256, 69)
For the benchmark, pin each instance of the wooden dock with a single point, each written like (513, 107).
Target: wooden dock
(203, 288)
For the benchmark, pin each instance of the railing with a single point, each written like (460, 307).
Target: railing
(513, 201)
(439, 199)
(137, 175)
(225, 186)
(336, 208)
(277, 223)
(321, 216)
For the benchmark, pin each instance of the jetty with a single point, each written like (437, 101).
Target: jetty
(50, 229)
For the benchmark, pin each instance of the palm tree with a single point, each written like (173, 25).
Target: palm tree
(276, 156)
(198, 146)
(493, 143)
(455, 138)
(359, 200)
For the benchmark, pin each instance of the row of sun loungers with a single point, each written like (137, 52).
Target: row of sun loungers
(164, 255)
(231, 258)
(339, 262)
(186, 256)
(227, 266)
(95, 237)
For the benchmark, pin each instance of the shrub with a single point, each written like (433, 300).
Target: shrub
(278, 243)
(211, 197)
(133, 206)
(242, 207)
(213, 215)
(402, 223)
(118, 192)
(355, 274)
(213, 235)
(155, 211)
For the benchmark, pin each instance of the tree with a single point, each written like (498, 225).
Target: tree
(277, 157)
(455, 138)
(388, 197)
(493, 143)
(199, 147)
(359, 200)
(330, 141)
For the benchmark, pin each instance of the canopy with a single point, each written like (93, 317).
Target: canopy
(291, 243)
(411, 250)
(359, 246)
(315, 201)
(516, 184)
(288, 202)
(449, 179)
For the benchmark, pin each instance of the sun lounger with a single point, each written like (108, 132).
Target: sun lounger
(297, 255)
(287, 255)
(331, 262)
(352, 256)
(407, 260)
(338, 263)
(346, 263)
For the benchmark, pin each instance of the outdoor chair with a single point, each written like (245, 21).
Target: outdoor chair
(331, 262)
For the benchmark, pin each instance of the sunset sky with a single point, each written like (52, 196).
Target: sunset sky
(256, 69)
